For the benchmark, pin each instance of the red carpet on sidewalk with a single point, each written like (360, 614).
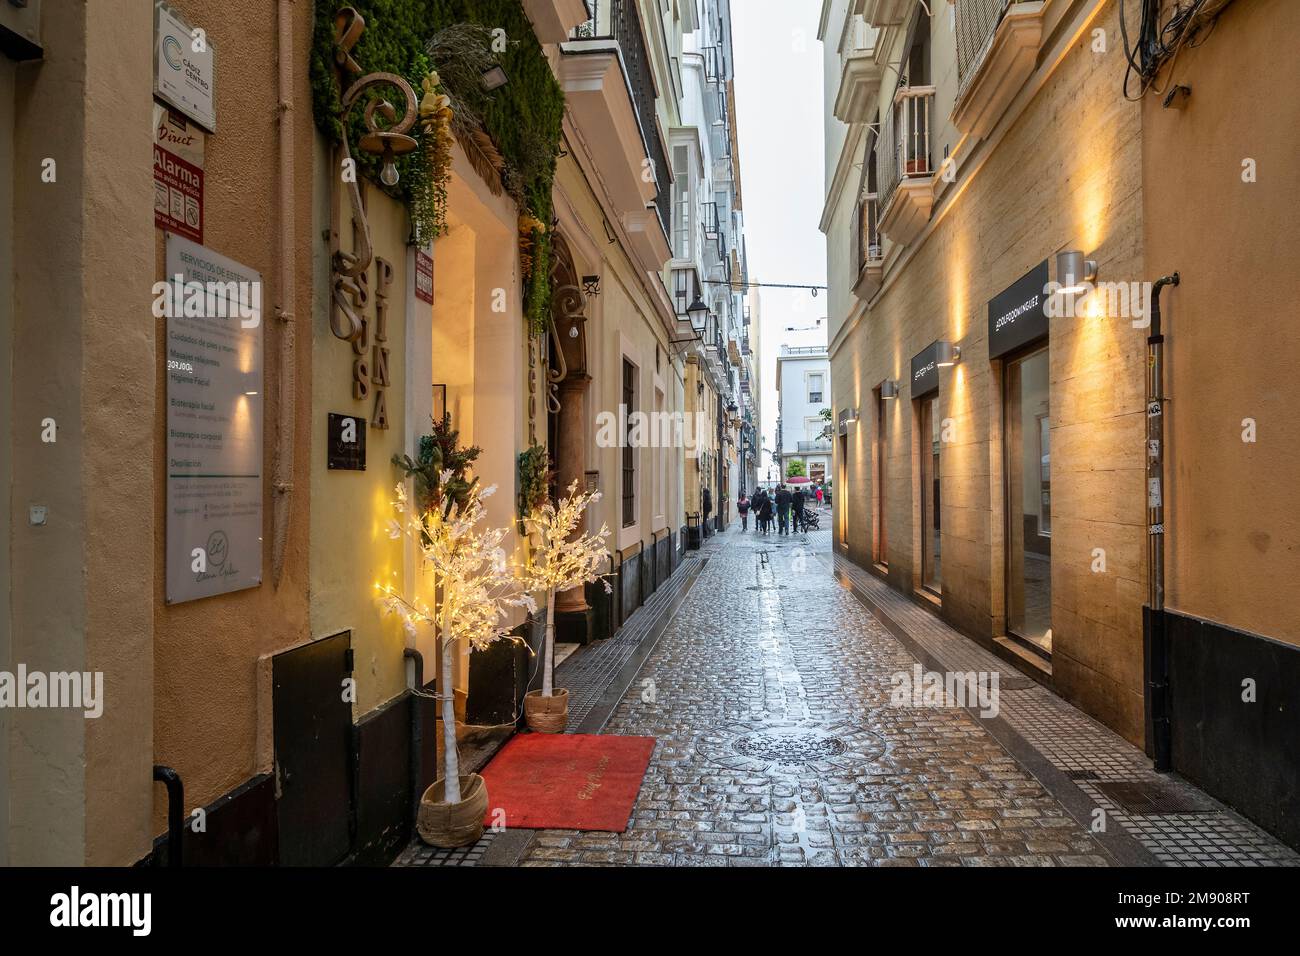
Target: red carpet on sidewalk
(567, 781)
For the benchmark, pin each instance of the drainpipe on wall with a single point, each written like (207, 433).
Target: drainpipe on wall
(286, 419)
(1156, 639)
(417, 732)
(175, 810)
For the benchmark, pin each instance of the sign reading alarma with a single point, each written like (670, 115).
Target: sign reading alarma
(177, 195)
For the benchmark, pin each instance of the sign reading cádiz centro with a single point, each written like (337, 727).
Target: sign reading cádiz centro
(1018, 315)
(214, 421)
(183, 68)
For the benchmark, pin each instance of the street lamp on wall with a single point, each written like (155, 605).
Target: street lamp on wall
(946, 354)
(889, 388)
(1075, 272)
(697, 313)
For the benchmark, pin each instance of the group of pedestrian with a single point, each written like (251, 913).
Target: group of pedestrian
(789, 507)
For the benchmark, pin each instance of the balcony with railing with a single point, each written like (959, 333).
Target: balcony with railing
(906, 167)
(609, 83)
(818, 446)
(868, 248)
(997, 50)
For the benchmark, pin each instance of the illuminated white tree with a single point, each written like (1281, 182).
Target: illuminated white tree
(562, 560)
(478, 587)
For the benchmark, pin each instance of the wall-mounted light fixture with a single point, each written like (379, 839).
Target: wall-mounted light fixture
(1073, 270)
(698, 314)
(850, 417)
(946, 354)
(889, 388)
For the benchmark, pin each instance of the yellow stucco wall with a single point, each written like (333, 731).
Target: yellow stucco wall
(210, 720)
(1233, 552)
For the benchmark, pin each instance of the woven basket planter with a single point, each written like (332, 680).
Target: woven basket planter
(547, 715)
(449, 825)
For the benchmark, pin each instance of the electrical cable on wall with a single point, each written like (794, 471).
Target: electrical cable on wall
(1155, 46)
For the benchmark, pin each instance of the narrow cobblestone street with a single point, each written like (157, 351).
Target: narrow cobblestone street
(769, 695)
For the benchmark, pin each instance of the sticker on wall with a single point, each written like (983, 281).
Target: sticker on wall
(423, 276)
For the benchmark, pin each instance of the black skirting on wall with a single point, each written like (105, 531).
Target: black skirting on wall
(239, 829)
(1241, 751)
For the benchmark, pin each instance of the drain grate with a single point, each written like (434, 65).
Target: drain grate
(1149, 798)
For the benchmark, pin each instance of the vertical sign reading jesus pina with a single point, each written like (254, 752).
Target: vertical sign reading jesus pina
(213, 308)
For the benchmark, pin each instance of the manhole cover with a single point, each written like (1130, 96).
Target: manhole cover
(772, 745)
(796, 747)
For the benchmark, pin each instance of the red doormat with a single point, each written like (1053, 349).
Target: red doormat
(567, 781)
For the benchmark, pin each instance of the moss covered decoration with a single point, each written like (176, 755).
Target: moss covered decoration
(523, 118)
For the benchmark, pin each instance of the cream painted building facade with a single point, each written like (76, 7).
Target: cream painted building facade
(992, 456)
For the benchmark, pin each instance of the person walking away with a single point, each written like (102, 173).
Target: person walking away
(796, 501)
(782, 509)
(742, 508)
(707, 499)
(765, 513)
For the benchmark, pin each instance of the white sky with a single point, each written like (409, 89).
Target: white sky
(779, 101)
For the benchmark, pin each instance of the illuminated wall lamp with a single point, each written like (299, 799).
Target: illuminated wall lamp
(889, 388)
(946, 354)
(850, 416)
(1074, 272)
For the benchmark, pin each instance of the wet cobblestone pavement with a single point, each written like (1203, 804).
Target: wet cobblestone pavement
(769, 695)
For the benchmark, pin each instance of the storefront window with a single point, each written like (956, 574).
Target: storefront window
(1029, 500)
(931, 578)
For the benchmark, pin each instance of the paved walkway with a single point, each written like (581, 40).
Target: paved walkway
(768, 690)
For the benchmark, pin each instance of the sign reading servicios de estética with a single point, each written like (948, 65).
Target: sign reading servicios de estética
(213, 308)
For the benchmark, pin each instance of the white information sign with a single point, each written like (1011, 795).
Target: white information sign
(213, 307)
(184, 66)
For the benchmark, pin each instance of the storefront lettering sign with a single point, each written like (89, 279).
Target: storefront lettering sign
(1018, 314)
(925, 371)
(370, 367)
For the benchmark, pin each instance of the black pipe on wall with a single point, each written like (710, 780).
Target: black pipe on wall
(417, 732)
(175, 811)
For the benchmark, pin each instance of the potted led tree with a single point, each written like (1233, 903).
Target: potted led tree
(475, 586)
(561, 558)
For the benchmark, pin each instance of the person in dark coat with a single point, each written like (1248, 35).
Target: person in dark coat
(742, 508)
(782, 509)
(765, 513)
(797, 502)
(707, 500)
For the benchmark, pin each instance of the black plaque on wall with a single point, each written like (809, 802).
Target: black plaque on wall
(1018, 314)
(347, 442)
(925, 371)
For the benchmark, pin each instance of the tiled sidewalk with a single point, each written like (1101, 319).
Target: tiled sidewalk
(1179, 825)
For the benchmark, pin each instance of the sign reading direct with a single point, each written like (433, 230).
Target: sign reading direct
(213, 308)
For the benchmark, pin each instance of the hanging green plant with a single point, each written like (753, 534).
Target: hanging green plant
(534, 479)
(511, 135)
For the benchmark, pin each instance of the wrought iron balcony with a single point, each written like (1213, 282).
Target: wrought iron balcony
(868, 252)
(905, 159)
(818, 446)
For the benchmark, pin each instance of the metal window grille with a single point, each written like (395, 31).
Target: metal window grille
(977, 21)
